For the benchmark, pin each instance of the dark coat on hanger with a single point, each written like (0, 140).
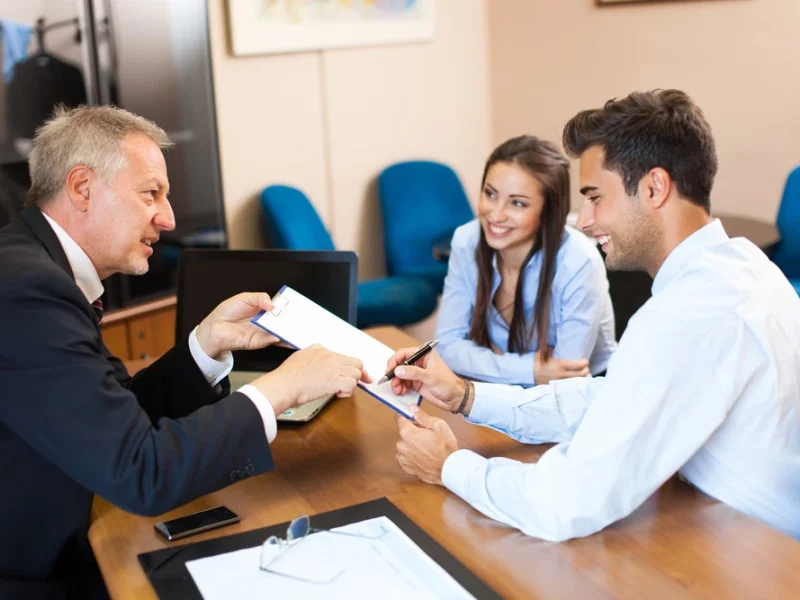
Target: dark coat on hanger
(39, 83)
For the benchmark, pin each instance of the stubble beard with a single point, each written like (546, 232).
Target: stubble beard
(637, 248)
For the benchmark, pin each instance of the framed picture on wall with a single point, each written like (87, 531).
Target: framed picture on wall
(625, 1)
(282, 26)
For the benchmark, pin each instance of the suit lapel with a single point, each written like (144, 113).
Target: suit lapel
(38, 225)
(35, 220)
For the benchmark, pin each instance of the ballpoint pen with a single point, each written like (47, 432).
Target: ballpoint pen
(411, 359)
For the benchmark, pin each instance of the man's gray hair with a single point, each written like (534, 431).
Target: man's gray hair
(88, 135)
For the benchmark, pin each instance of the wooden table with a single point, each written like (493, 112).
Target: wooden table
(680, 543)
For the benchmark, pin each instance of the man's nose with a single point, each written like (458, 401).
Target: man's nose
(585, 216)
(165, 218)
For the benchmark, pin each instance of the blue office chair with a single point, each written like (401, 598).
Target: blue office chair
(787, 252)
(422, 202)
(293, 223)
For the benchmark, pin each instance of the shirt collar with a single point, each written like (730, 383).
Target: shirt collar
(709, 235)
(496, 258)
(82, 267)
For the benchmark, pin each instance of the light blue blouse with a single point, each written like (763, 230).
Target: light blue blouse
(581, 321)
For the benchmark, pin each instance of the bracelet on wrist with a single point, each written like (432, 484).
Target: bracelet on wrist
(467, 385)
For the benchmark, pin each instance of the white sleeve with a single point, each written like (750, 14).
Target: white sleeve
(214, 370)
(661, 401)
(545, 413)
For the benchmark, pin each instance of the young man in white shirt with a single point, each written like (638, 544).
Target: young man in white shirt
(706, 380)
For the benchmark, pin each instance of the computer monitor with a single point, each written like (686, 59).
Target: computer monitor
(206, 277)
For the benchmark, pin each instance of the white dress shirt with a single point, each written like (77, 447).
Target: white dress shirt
(705, 382)
(88, 281)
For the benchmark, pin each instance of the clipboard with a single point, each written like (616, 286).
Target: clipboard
(301, 322)
(167, 572)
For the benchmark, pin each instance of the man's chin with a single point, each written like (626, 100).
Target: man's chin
(618, 265)
(139, 268)
(614, 264)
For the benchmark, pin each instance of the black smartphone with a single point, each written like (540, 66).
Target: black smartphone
(197, 522)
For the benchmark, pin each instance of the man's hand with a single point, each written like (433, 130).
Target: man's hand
(557, 368)
(424, 445)
(228, 327)
(311, 374)
(429, 376)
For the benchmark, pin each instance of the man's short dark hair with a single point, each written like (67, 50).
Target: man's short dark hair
(645, 130)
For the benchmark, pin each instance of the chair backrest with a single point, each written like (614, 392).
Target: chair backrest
(12, 197)
(7, 210)
(421, 201)
(291, 220)
(787, 253)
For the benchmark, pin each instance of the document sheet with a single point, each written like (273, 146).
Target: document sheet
(302, 322)
(384, 564)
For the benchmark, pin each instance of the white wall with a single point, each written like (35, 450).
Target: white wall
(738, 59)
(328, 122)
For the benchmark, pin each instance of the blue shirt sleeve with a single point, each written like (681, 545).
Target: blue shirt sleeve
(581, 310)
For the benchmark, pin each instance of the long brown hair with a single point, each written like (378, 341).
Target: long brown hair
(543, 161)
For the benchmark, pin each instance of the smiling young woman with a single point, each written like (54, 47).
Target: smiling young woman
(525, 299)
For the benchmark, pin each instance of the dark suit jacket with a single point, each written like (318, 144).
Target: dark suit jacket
(73, 423)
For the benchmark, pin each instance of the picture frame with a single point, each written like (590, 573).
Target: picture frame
(285, 26)
(608, 2)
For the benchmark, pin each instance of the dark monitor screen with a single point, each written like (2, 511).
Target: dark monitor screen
(207, 277)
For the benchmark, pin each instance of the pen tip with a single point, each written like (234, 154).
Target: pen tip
(384, 379)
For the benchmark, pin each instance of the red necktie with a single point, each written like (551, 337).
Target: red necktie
(97, 305)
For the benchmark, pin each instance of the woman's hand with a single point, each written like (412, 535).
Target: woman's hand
(557, 368)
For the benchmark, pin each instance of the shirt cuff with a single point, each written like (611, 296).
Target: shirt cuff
(265, 409)
(494, 402)
(457, 469)
(477, 412)
(214, 370)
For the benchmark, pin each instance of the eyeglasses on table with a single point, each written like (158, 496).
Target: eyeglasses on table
(299, 529)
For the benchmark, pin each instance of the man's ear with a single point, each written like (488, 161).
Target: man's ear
(655, 187)
(79, 184)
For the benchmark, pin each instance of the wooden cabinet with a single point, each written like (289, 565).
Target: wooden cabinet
(143, 331)
(116, 338)
(151, 335)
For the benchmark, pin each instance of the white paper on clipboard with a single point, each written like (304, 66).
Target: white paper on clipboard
(301, 322)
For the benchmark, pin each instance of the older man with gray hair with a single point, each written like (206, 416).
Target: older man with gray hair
(72, 421)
